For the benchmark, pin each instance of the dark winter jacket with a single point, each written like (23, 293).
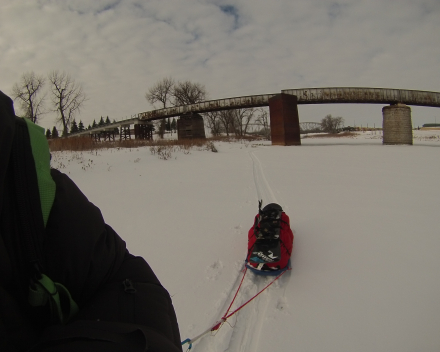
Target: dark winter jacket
(47, 226)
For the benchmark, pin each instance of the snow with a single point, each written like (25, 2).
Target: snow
(366, 268)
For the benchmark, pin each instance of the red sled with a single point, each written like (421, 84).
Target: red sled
(270, 241)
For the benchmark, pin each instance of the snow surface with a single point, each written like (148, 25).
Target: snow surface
(366, 263)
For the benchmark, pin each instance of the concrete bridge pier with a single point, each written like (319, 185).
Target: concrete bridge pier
(397, 124)
(284, 120)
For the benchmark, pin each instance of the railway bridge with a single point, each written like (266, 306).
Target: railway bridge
(284, 119)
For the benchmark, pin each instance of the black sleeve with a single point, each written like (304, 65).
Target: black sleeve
(109, 284)
(82, 252)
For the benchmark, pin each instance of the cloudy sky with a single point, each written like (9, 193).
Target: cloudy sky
(117, 49)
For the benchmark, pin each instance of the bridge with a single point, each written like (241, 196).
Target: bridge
(399, 98)
(341, 95)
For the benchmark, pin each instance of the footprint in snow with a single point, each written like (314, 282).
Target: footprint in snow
(282, 305)
(214, 270)
(237, 229)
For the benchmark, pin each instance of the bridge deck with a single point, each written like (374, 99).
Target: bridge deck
(365, 96)
(336, 95)
(332, 95)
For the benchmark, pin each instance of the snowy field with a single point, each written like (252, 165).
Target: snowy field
(366, 263)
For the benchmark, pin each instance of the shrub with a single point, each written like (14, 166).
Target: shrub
(332, 124)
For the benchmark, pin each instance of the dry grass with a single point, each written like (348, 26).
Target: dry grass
(163, 149)
(74, 144)
(87, 143)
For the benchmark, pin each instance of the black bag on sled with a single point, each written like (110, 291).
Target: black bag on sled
(270, 239)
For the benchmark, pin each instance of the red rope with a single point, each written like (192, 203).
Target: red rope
(223, 319)
(226, 316)
(244, 274)
(235, 311)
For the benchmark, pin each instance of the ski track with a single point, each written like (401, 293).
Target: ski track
(264, 191)
(246, 334)
(241, 332)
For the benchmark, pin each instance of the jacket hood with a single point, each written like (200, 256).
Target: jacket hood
(40, 153)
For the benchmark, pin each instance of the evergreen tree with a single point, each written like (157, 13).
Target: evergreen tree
(48, 134)
(174, 124)
(89, 127)
(168, 125)
(65, 133)
(80, 126)
(116, 128)
(94, 124)
(101, 122)
(74, 127)
(107, 121)
(54, 132)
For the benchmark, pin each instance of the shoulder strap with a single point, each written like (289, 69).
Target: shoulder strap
(46, 292)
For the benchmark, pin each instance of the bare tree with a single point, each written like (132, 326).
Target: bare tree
(242, 119)
(67, 98)
(168, 92)
(161, 92)
(213, 122)
(29, 93)
(227, 119)
(187, 92)
(332, 124)
(262, 120)
(230, 121)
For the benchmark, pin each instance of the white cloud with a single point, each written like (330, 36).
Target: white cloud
(118, 49)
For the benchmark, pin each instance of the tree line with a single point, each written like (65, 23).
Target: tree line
(169, 92)
(66, 96)
(79, 127)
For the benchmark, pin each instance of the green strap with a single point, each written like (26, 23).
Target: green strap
(46, 291)
(41, 154)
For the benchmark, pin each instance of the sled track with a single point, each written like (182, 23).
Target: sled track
(246, 334)
(262, 187)
(241, 333)
(245, 327)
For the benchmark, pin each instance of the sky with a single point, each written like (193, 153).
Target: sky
(118, 49)
(365, 266)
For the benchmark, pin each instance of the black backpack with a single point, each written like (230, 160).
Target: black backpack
(267, 226)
